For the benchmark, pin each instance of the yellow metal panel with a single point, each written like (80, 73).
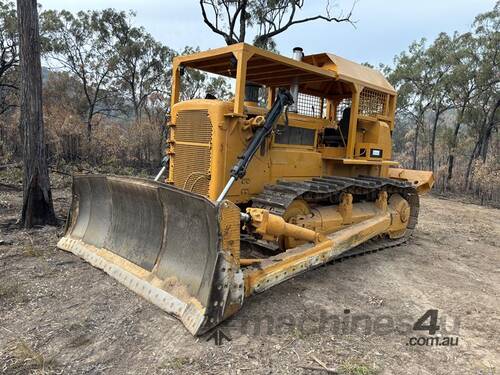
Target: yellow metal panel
(218, 61)
(294, 163)
(176, 82)
(365, 162)
(275, 270)
(351, 71)
(206, 55)
(230, 229)
(335, 153)
(353, 122)
(423, 180)
(241, 72)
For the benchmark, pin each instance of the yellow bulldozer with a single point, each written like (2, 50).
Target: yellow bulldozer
(294, 172)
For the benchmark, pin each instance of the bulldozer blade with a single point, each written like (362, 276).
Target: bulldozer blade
(176, 249)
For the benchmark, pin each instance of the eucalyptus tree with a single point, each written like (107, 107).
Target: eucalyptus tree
(462, 90)
(439, 60)
(143, 64)
(487, 29)
(484, 115)
(38, 208)
(413, 78)
(232, 19)
(9, 56)
(79, 43)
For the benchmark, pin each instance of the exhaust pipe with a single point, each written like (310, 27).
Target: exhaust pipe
(298, 54)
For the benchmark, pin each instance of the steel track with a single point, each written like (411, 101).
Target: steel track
(327, 190)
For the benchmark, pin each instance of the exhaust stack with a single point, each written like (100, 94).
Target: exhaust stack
(298, 54)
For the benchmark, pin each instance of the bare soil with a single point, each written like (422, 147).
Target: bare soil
(58, 314)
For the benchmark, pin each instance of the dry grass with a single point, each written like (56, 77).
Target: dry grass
(81, 340)
(175, 363)
(13, 292)
(23, 359)
(356, 368)
(8, 290)
(31, 251)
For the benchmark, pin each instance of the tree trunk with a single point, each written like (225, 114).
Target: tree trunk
(487, 133)
(469, 165)
(137, 113)
(243, 21)
(415, 145)
(432, 163)
(90, 116)
(37, 196)
(454, 143)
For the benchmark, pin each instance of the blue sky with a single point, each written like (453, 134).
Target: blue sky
(383, 28)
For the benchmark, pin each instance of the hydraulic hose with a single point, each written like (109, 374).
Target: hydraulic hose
(283, 99)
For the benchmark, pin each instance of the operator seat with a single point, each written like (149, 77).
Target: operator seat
(333, 137)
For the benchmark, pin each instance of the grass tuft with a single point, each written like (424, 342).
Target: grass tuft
(24, 359)
(30, 250)
(354, 368)
(9, 290)
(175, 363)
(81, 340)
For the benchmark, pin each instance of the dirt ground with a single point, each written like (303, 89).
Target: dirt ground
(58, 314)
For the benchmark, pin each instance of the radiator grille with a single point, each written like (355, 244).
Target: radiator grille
(193, 134)
(193, 126)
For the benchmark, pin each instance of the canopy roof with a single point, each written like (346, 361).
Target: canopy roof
(322, 74)
(351, 71)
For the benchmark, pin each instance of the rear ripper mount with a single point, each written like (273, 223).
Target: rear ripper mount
(181, 251)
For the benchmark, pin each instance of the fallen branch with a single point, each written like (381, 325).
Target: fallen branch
(53, 170)
(12, 187)
(323, 365)
(315, 368)
(13, 165)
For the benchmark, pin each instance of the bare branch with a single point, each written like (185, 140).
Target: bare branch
(291, 21)
(213, 27)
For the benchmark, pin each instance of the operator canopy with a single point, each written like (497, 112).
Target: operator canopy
(323, 74)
